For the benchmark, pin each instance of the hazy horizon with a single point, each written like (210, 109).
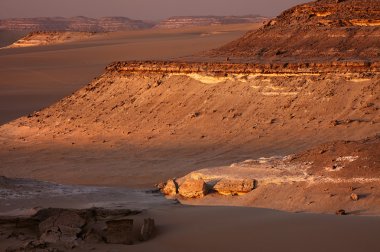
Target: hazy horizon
(140, 9)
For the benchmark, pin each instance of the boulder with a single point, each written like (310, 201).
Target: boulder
(341, 212)
(354, 197)
(170, 188)
(234, 186)
(119, 231)
(52, 235)
(193, 188)
(65, 218)
(147, 229)
(64, 227)
(93, 236)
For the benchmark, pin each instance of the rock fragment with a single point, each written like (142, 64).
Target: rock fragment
(170, 188)
(193, 188)
(147, 229)
(341, 212)
(234, 186)
(63, 227)
(119, 231)
(354, 197)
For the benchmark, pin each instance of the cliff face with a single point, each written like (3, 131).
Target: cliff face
(84, 24)
(220, 69)
(188, 21)
(320, 30)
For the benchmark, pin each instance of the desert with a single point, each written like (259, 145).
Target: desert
(179, 139)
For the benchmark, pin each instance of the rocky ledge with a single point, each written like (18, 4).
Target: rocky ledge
(223, 68)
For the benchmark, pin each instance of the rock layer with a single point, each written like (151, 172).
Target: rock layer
(188, 21)
(234, 186)
(193, 188)
(319, 30)
(83, 24)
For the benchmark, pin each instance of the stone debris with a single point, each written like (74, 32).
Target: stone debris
(68, 228)
(234, 187)
(170, 188)
(147, 230)
(193, 188)
(119, 231)
(341, 212)
(354, 197)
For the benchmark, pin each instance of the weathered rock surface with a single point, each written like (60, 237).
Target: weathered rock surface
(64, 227)
(341, 212)
(225, 69)
(68, 219)
(147, 230)
(314, 31)
(54, 228)
(234, 186)
(170, 188)
(105, 24)
(354, 197)
(188, 21)
(193, 188)
(119, 231)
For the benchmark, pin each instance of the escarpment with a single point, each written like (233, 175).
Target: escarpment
(199, 102)
(320, 30)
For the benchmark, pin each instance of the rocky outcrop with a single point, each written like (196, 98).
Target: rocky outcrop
(55, 228)
(324, 29)
(170, 188)
(227, 69)
(189, 21)
(193, 188)
(148, 229)
(119, 231)
(83, 24)
(63, 227)
(234, 186)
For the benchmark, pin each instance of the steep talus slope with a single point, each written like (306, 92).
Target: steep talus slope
(317, 31)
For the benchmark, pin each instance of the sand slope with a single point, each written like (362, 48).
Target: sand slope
(151, 126)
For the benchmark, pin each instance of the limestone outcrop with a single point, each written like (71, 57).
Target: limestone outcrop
(234, 186)
(313, 31)
(54, 229)
(226, 69)
(189, 21)
(193, 188)
(170, 188)
(147, 229)
(83, 24)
